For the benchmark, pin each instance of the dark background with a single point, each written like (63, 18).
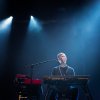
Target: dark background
(63, 30)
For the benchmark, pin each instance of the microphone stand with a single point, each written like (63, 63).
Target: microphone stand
(32, 66)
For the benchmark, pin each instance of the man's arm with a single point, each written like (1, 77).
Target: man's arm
(71, 71)
(53, 71)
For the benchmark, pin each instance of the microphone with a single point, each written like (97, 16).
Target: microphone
(43, 62)
(32, 65)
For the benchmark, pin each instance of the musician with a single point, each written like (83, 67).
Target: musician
(60, 92)
(63, 69)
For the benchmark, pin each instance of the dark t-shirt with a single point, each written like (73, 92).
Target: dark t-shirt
(63, 71)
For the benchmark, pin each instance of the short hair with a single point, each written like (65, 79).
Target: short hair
(59, 54)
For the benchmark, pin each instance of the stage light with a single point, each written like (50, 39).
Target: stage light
(5, 25)
(34, 25)
(33, 21)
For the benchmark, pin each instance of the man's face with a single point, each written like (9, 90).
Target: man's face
(62, 58)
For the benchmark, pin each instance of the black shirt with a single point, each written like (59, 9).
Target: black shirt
(63, 71)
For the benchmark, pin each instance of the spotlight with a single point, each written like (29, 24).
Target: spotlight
(6, 24)
(34, 25)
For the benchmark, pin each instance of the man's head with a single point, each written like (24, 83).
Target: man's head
(62, 58)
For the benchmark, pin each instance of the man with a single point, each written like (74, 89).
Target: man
(60, 91)
(63, 69)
